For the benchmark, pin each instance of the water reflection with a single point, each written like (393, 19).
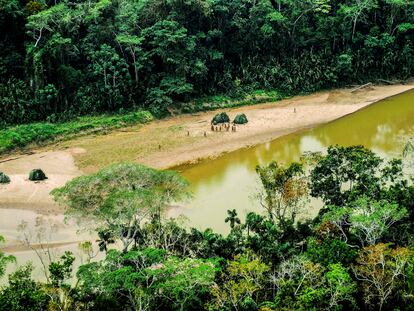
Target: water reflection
(230, 181)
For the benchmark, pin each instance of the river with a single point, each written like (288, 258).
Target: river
(230, 181)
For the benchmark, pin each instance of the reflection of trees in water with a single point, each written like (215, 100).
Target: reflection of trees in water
(213, 172)
(375, 127)
(210, 173)
(283, 150)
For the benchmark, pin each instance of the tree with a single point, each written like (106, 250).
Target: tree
(357, 11)
(183, 282)
(371, 220)
(22, 293)
(132, 43)
(243, 280)
(38, 239)
(341, 287)
(366, 219)
(61, 270)
(302, 284)
(232, 218)
(284, 192)
(4, 259)
(111, 74)
(123, 275)
(330, 251)
(105, 239)
(120, 197)
(163, 53)
(381, 269)
(347, 173)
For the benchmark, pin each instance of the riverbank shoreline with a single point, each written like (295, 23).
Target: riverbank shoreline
(175, 141)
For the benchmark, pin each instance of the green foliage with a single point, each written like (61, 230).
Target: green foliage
(368, 220)
(120, 197)
(4, 179)
(37, 175)
(120, 273)
(112, 79)
(237, 99)
(4, 259)
(23, 293)
(183, 282)
(232, 218)
(240, 119)
(61, 270)
(63, 59)
(105, 239)
(285, 191)
(329, 251)
(22, 135)
(242, 281)
(219, 118)
(303, 285)
(347, 173)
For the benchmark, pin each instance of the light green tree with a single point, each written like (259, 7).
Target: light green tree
(285, 192)
(4, 259)
(243, 279)
(120, 197)
(367, 219)
(183, 281)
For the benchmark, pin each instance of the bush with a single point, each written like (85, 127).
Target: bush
(37, 175)
(240, 119)
(220, 118)
(4, 179)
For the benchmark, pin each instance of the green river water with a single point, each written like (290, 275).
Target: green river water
(230, 181)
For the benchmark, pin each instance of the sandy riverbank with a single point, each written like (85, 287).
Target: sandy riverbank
(174, 141)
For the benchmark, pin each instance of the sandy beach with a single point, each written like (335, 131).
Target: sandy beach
(173, 141)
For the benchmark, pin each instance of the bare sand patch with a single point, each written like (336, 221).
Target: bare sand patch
(59, 167)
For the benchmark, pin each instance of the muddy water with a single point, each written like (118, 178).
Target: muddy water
(230, 181)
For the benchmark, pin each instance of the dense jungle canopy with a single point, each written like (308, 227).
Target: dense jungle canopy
(64, 58)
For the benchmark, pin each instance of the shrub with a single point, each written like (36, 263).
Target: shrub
(220, 118)
(4, 179)
(240, 119)
(37, 174)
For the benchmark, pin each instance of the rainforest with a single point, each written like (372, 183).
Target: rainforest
(248, 155)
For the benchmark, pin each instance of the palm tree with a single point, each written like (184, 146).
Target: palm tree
(232, 218)
(105, 238)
